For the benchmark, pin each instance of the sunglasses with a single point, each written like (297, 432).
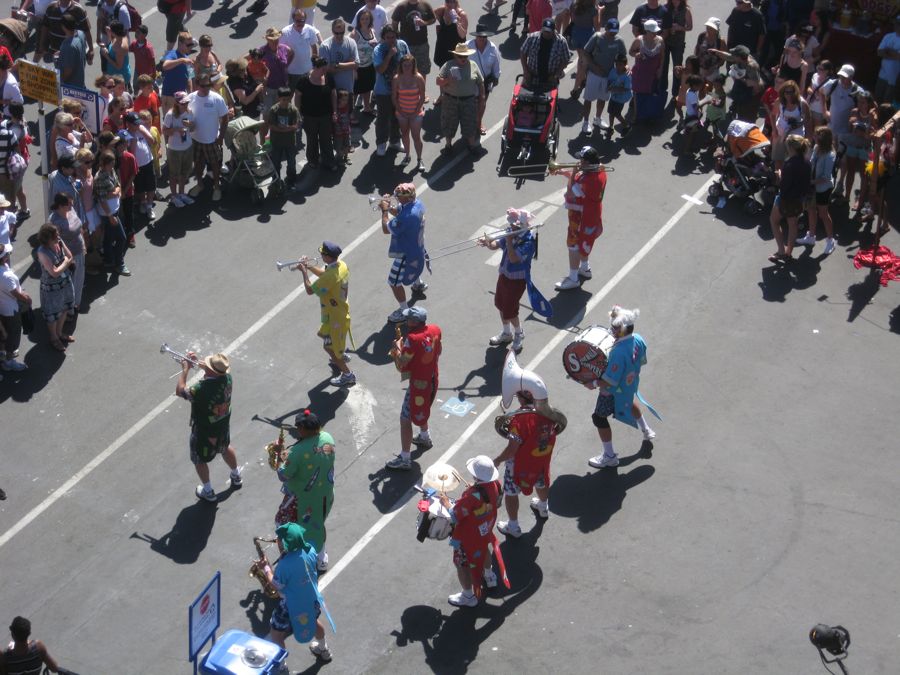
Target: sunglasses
(337, 32)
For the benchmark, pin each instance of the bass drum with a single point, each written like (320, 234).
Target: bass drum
(585, 358)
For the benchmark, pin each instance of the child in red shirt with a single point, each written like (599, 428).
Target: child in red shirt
(144, 55)
(147, 99)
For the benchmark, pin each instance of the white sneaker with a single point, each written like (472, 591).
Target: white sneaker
(501, 338)
(396, 316)
(320, 650)
(150, 213)
(206, 495)
(398, 464)
(598, 123)
(186, 199)
(517, 342)
(829, 246)
(566, 284)
(422, 442)
(539, 511)
(490, 578)
(381, 149)
(504, 528)
(322, 562)
(343, 380)
(649, 435)
(807, 240)
(463, 600)
(419, 286)
(13, 365)
(602, 461)
(585, 127)
(585, 272)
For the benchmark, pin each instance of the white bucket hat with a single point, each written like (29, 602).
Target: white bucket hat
(483, 469)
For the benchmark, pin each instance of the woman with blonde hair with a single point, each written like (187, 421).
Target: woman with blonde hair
(792, 117)
(408, 95)
(794, 186)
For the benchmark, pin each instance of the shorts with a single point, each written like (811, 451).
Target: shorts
(824, 198)
(405, 273)
(580, 236)
(860, 152)
(462, 112)
(615, 108)
(145, 180)
(790, 208)
(605, 406)
(334, 341)
(507, 296)
(460, 559)
(423, 58)
(281, 617)
(208, 154)
(512, 488)
(404, 408)
(595, 88)
(180, 163)
(580, 36)
(204, 450)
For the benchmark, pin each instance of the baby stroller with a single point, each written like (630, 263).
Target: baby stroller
(742, 166)
(531, 126)
(250, 166)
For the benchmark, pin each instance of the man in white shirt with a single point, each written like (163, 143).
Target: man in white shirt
(487, 58)
(304, 39)
(889, 51)
(11, 294)
(379, 16)
(210, 121)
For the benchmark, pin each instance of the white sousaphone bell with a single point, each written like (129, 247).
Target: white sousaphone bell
(516, 379)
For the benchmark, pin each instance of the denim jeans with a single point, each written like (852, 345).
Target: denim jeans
(287, 154)
(387, 128)
(114, 242)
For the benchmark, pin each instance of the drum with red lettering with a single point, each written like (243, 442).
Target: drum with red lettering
(586, 356)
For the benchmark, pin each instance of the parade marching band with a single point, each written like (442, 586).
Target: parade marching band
(606, 358)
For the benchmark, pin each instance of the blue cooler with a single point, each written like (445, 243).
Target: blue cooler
(240, 653)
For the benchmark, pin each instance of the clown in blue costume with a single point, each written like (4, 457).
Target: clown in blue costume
(519, 248)
(619, 386)
(297, 582)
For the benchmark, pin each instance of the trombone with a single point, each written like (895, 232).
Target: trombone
(178, 356)
(552, 167)
(460, 246)
(304, 260)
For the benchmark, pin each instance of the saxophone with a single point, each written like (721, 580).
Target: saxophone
(274, 451)
(258, 568)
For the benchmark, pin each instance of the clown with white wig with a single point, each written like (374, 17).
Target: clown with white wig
(619, 385)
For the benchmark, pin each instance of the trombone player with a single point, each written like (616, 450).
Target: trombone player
(519, 247)
(210, 400)
(584, 202)
(332, 288)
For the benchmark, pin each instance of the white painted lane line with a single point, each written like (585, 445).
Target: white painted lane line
(691, 199)
(236, 344)
(491, 408)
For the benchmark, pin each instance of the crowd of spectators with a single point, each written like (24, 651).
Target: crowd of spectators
(164, 112)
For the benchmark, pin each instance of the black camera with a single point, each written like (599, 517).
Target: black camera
(832, 639)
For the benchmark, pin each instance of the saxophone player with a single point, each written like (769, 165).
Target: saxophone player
(531, 434)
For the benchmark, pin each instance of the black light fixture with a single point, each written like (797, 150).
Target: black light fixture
(831, 639)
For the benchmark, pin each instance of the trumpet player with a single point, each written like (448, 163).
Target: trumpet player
(416, 355)
(618, 385)
(210, 400)
(307, 474)
(519, 248)
(406, 225)
(584, 202)
(332, 287)
(531, 435)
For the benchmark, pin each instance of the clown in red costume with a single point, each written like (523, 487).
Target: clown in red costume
(584, 202)
(474, 515)
(531, 434)
(416, 357)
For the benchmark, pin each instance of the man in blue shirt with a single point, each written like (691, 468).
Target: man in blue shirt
(72, 53)
(407, 248)
(386, 59)
(176, 70)
(619, 385)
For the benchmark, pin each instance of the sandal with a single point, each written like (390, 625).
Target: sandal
(67, 338)
(57, 345)
(779, 257)
(483, 131)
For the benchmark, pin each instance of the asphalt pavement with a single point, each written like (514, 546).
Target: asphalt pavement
(765, 505)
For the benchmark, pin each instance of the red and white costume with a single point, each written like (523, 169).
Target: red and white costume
(530, 467)
(584, 201)
(419, 359)
(474, 517)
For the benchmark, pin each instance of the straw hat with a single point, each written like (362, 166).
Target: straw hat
(272, 33)
(218, 363)
(462, 49)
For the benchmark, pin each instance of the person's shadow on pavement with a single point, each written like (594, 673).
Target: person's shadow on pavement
(184, 543)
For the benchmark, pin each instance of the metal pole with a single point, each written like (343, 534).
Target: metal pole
(45, 159)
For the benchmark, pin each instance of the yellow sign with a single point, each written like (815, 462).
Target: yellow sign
(38, 82)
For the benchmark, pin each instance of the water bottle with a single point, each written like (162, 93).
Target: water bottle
(453, 16)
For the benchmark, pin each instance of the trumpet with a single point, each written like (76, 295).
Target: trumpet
(375, 200)
(178, 356)
(306, 261)
(475, 242)
(258, 568)
(552, 167)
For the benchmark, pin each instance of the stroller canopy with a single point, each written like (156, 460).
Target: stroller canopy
(240, 136)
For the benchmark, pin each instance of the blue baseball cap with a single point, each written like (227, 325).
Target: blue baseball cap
(612, 26)
(416, 314)
(124, 135)
(329, 248)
